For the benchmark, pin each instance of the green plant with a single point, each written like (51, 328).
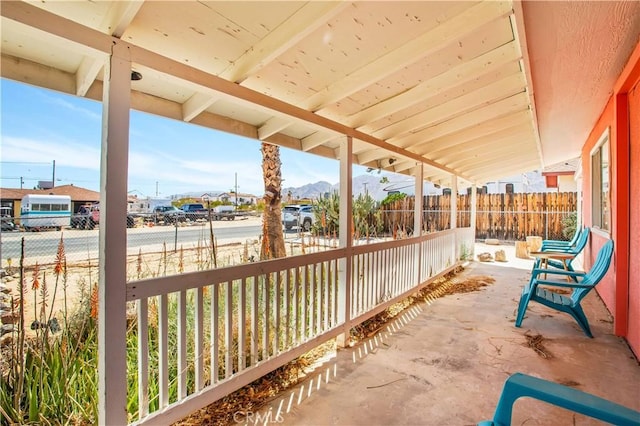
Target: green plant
(569, 225)
(52, 379)
(366, 216)
(327, 215)
(393, 197)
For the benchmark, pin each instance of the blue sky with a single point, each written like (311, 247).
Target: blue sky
(39, 126)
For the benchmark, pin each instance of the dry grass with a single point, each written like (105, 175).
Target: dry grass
(536, 342)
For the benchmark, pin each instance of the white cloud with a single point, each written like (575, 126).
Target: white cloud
(57, 101)
(64, 153)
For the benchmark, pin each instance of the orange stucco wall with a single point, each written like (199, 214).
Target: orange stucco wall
(620, 289)
(606, 288)
(633, 326)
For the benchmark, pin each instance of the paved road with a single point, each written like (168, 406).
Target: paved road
(83, 244)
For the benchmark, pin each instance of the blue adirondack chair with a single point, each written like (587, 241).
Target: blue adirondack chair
(585, 282)
(559, 244)
(575, 250)
(521, 385)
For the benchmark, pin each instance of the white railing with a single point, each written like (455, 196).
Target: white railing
(202, 335)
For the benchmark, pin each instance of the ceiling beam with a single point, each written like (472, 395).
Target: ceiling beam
(490, 175)
(517, 23)
(491, 168)
(116, 20)
(196, 104)
(509, 86)
(372, 155)
(455, 76)
(497, 153)
(508, 137)
(317, 139)
(306, 20)
(484, 129)
(437, 38)
(504, 107)
(273, 126)
(403, 165)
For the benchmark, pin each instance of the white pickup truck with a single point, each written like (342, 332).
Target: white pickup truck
(298, 215)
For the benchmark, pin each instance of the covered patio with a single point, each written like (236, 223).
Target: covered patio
(456, 93)
(444, 361)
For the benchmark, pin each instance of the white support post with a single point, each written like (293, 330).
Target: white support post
(345, 239)
(454, 201)
(419, 184)
(474, 216)
(417, 219)
(112, 327)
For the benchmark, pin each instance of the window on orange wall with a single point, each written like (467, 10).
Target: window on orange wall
(600, 183)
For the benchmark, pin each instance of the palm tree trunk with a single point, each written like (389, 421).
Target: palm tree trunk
(272, 236)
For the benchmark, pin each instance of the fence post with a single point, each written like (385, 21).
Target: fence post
(345, 239)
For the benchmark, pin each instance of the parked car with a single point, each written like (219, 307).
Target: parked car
(169, 214)
(195, 211)
(6, 219)
(87, 216)
(300, 216)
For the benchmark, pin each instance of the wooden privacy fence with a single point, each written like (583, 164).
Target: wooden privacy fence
(510, 217)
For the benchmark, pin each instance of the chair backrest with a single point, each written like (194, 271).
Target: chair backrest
(597, 271)
(575, 238)
(581, 242)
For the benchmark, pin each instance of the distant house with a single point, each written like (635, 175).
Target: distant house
(230, 197)
(561, 176)
(12, 197)
(145, 205)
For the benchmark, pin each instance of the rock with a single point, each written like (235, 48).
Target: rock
(534, 243)
(4, 289)
(485, 257)
(8, 318)
(501, 256)
(522, 252)
(492, 241)
(6, 340)
(7, 328)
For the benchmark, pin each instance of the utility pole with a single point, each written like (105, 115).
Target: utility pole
(53, 180)
(156, 188)
(236, 191)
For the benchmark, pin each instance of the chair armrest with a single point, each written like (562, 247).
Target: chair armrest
(566, 284)
(538, 271)
(556, 249)
(520, 385)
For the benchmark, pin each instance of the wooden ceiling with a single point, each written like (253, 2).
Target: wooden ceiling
(446, 83)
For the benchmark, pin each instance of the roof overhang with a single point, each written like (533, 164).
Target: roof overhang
(444, 84)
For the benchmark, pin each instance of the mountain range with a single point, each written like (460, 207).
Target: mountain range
(380, 185)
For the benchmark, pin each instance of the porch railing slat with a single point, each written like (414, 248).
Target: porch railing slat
(242, 320)
(182, 344)
(199, 339)
(143, 358)
(163, 343)
(228, 329)
(214, 344)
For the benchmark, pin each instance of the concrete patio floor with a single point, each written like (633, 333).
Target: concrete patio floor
(444, 362)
